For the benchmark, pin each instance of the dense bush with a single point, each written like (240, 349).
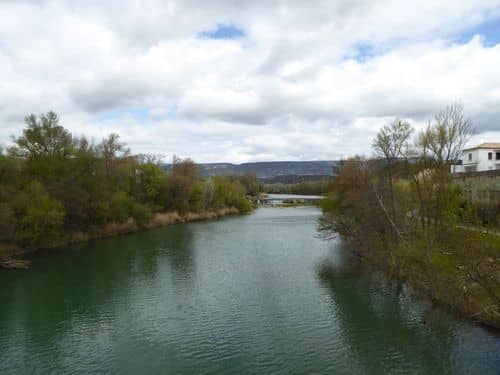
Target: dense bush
(39, 216)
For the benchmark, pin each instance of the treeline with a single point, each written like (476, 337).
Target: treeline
(402, 211)
(318, 187)
(54, 184)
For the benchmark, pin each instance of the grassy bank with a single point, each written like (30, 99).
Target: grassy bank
(460, 270)
(9, 250)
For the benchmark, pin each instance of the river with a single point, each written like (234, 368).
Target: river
(240, 295)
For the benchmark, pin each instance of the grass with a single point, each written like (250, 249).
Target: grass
(461, 269)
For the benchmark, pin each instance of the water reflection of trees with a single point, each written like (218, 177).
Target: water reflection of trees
(83, 284)
(384, 326)
(180, 250)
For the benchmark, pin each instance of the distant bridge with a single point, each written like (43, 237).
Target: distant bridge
(283, 199)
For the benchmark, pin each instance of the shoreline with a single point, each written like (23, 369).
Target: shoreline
(10, 253)
(368, 265)
(420, 286)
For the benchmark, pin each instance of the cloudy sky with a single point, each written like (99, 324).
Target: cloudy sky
(236, 81)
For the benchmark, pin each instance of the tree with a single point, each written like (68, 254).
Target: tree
(392, 140)
(351, 209)
(8, 185)
(184, 167)
(391, 143)
(39, 216)
(440, 145)
(7, 222)
(445, 138)
(181, 182)
(43, 137)
(149, 176)
(4, 166)
(251, 183)
(229, 192)
(110, 149)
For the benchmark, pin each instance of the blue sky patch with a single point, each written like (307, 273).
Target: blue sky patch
(364, 52)
(223, 31)
(490, 31)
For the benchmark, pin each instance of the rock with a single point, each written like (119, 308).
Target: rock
(15, 263)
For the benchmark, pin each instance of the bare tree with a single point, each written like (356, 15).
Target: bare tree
(441, 144)
(445, 137)
(391, 141)
(155, 159)
(184, 167)
(111, 148)
(391, 144)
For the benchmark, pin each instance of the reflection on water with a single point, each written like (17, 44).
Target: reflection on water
(241, 295)
(385, 323)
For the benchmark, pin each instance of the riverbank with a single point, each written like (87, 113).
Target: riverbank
(461, 276)
(10, 251)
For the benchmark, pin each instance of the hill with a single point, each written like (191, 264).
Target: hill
(269, 169)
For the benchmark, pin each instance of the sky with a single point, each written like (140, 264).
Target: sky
(240, 81)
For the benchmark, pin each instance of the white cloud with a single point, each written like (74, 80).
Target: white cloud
(290, 89)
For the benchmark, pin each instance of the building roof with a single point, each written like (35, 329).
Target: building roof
(485, 145)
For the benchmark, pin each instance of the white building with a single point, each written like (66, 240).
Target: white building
(484, 157)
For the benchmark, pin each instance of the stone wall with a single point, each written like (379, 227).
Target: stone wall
(483, 189)
(480, 187)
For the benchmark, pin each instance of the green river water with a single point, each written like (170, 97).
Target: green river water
(240, 296)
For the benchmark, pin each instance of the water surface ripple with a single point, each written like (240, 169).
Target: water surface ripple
(242, 295)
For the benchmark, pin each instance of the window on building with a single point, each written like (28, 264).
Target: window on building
(498, 155)
(470, 157)
(490, 155)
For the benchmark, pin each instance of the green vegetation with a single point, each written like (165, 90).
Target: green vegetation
(318, 187)
(403, 213)
(56, 188)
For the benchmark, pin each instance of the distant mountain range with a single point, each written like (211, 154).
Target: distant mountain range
(294, 178)
(270, 170)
